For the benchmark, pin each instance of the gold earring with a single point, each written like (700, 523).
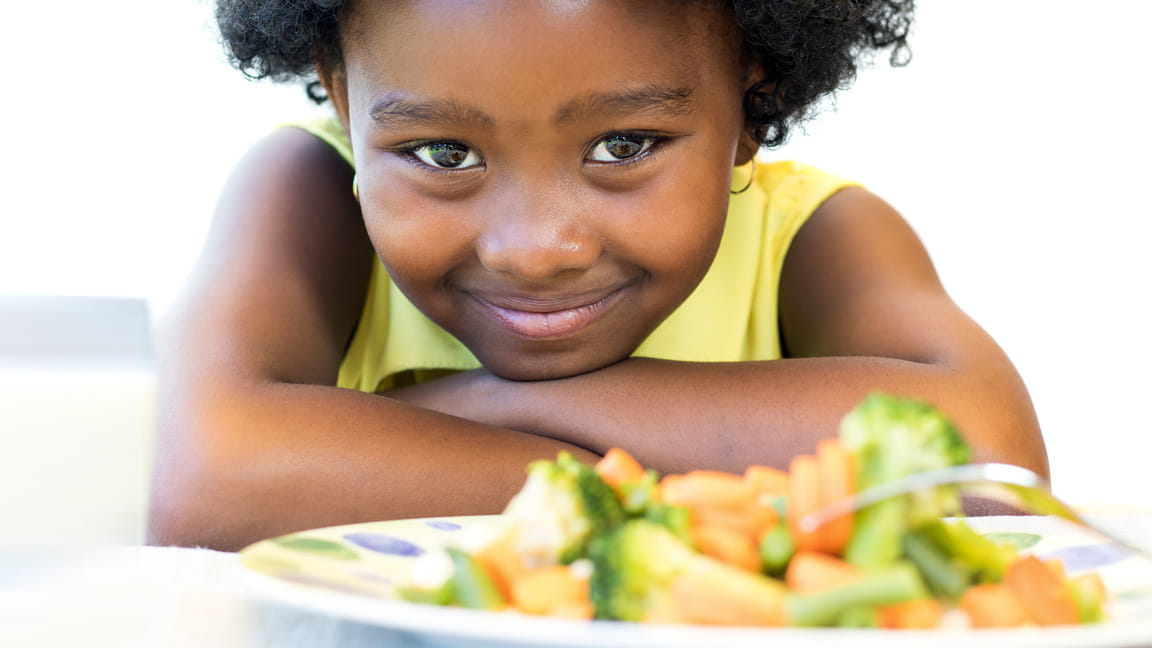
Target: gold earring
(751, 176)
(355, 188)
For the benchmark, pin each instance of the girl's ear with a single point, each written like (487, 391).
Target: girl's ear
(746, 148)
(335, 83)
(748, 145)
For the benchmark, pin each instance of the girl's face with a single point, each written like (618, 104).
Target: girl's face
(546, 179)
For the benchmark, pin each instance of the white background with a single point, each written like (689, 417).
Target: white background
(1016, 143)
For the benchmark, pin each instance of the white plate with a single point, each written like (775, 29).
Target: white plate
(350, 571)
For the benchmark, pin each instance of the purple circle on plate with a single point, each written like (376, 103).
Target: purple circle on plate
(443, 525)
(1093, 556)
(384, 544)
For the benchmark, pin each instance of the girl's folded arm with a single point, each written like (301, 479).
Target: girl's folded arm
(255, 440)
(861, 309)
(887, 301)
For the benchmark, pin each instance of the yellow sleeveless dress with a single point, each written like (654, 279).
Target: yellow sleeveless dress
(730, 317)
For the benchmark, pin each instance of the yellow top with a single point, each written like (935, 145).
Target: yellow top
(731, 316)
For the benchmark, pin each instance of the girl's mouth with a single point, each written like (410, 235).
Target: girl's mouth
(544, 324)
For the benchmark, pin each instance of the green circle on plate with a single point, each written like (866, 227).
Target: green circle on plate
(1014, 539)
(325, 548)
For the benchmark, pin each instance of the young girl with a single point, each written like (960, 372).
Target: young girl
(539, 226)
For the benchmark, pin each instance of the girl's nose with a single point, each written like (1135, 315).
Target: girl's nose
(536, 237)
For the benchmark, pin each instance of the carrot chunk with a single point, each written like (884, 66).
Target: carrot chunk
(502, 562)
(993, 605)
(917, 614)
(618, 467)
(545, 590)
(1042, 592)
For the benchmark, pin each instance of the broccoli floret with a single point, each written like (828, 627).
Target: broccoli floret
(561, 506)
(633, 567)
(892, 438)
(637, 567)
(677, 519)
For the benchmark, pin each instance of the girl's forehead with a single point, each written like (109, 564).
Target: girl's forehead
(671, 28)
(542, 9)
(526, 43)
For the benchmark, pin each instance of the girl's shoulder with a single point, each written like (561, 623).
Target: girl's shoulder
(329, 129)
(784, 193)
(784, 181)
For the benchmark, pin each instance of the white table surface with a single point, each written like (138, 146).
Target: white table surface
(136, 596)
(158, 597)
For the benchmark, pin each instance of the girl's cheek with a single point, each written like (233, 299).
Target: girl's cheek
(410, 239)
(681, 213)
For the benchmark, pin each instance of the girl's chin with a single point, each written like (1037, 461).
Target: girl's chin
(548, 366)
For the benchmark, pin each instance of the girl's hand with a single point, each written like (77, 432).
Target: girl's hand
(483, 397)
(468, 395)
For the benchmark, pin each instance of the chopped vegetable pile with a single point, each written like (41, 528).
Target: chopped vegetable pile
(616, 541)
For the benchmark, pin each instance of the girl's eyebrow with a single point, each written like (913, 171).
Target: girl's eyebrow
(398, 109)
(648, 99)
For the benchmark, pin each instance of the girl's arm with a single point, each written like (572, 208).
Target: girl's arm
(861, 309)
(254, 439)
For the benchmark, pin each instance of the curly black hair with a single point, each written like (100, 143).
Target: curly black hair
(809, 48)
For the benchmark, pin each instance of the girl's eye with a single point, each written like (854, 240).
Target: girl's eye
(616, 148)
(446, 155)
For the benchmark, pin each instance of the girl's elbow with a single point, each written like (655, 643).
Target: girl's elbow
(187, 511)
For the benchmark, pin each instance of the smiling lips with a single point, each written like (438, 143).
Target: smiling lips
(538, 320)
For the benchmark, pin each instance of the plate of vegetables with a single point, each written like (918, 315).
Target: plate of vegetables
(619, 555)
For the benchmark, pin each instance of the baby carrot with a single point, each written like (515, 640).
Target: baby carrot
(726, 545)
(752, 521)
(766, 480)
(805, 496)
(837, 480)
(711, 488)
(706, 594)
(814, 571)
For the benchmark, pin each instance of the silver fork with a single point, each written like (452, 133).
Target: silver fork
(1015, 486)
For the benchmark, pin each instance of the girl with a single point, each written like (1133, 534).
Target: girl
(540, 226)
